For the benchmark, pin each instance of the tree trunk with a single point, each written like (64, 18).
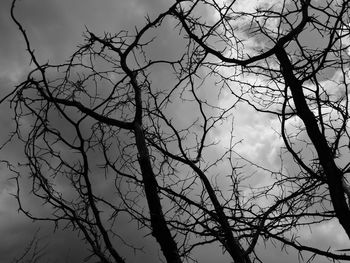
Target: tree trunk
(333, 174)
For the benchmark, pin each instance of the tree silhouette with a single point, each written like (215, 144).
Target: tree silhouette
(105, 141)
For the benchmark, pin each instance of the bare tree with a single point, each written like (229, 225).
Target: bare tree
(104, 140)
(293, 70)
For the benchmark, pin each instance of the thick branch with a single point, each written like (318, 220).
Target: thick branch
(159, 226)
(333, 174)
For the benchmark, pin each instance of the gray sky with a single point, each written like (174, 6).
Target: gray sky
(55, 27)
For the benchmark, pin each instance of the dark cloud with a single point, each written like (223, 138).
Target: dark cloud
(54, 29)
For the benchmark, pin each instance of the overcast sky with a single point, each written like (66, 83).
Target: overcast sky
(55, 27)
